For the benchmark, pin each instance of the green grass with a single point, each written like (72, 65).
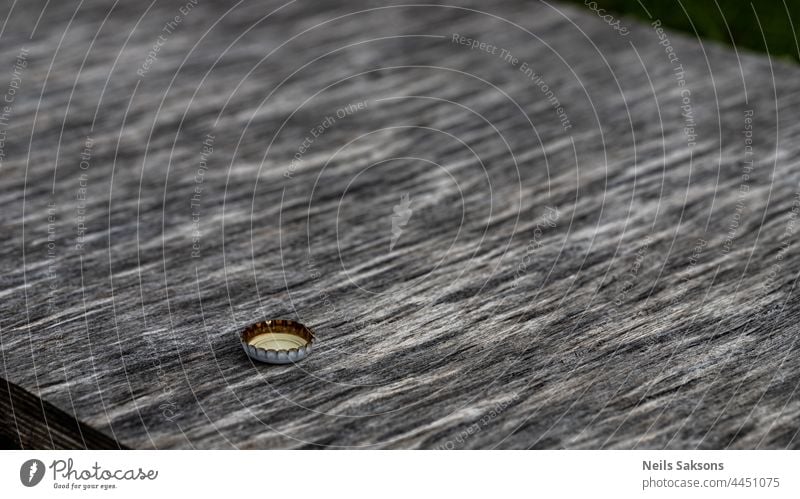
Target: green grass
(779, 20)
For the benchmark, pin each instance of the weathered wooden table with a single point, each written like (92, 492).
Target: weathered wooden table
(512, 226)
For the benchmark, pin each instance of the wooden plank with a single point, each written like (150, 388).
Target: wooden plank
(515, 245)
(28, 422)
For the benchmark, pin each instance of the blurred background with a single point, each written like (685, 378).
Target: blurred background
(726, 21)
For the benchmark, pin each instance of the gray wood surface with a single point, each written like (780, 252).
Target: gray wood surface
(571, 267)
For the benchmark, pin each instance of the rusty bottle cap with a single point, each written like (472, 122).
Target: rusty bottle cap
(279, 341)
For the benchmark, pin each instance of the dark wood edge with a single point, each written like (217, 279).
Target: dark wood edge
(28, 422)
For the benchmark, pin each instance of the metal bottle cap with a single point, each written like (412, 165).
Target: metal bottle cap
(279, 341)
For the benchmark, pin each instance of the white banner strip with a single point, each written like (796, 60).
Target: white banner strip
(371, 474)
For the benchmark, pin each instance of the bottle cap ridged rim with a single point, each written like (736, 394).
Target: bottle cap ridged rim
(277, 341)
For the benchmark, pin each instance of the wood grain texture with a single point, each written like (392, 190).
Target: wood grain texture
(570, 273)
(28, 422)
